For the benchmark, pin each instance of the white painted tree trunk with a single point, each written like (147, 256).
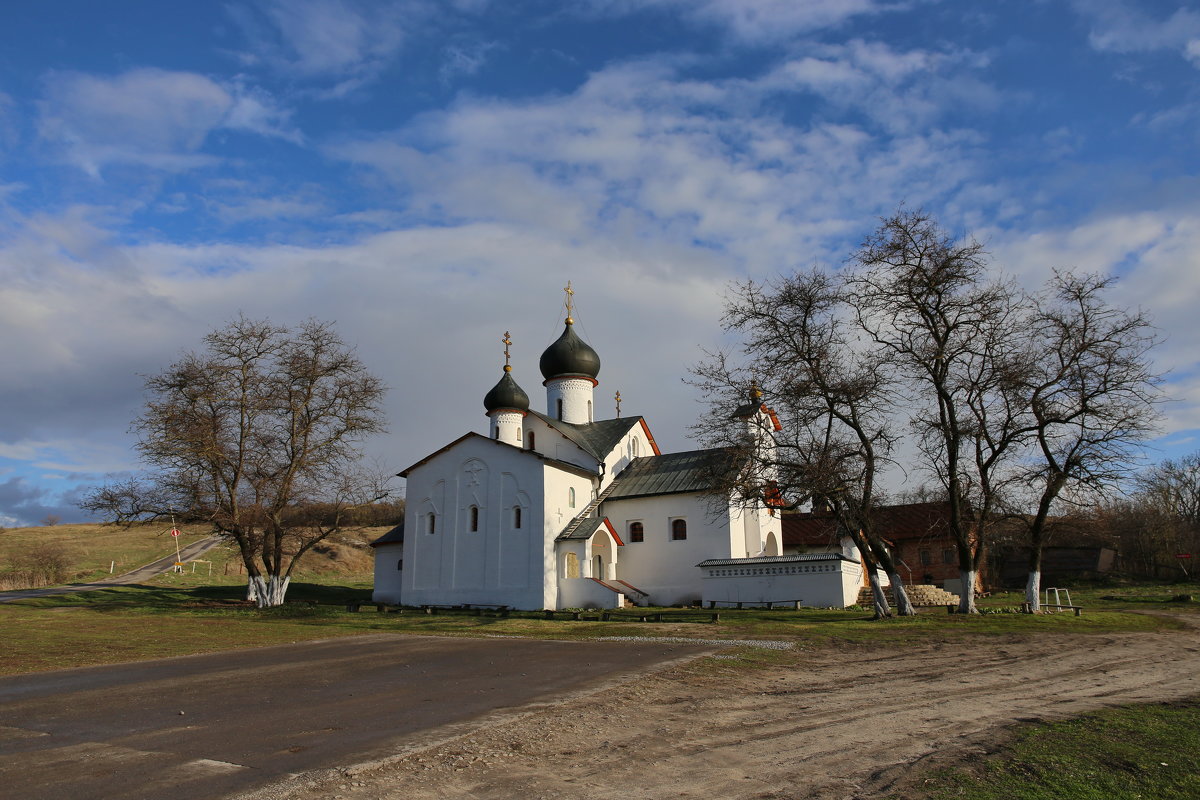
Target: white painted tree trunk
(267, 593)
(1033, 590)
(966, 598)
(882, 610)
(904, 606)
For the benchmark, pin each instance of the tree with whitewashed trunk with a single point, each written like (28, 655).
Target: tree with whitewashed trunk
(927, 300)
(833, 397)
(257, 435)
(1091, 394)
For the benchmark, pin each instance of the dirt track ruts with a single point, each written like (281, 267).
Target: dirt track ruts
(844, 723)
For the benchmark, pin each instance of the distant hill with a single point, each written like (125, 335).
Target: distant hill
(77, 553)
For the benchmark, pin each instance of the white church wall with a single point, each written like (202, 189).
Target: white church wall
(455, 564)
(553, 444)
(566, 495)
(663, 567)
(634, 445)
(389, 559)
(586, 593)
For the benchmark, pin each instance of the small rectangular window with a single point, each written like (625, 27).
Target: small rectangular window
(949, 556)
(637, 532)
(926, 558)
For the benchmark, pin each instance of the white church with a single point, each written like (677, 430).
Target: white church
(561, 510)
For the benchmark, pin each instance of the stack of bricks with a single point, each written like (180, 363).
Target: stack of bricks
(918, 595)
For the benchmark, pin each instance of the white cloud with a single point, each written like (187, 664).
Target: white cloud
(1122, 27)
(638, 154)
(463, 59)
(1156, 256)
(757, 21)
(149, 117)
(348, 41)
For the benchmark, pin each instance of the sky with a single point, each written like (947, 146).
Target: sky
(429, 175)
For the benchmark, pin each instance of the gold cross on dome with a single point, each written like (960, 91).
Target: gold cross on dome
(618, 399)
(507, 344)
(570, 305)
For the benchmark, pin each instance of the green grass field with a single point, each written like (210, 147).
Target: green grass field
(1133, 752)
(174, 618)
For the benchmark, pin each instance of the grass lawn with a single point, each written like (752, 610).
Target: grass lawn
(177, 616)
(1134, 752)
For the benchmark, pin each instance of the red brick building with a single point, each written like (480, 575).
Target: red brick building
(918, 535)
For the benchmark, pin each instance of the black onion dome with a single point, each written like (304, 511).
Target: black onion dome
(506, 394)
(569, 355)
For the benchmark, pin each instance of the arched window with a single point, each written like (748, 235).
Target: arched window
(634, 448)
(474, 514)
(516, 517)
(571, 497)
(400, 564)
(636, 532)
(530, 437)
(558, 407)
(431, 522)
(589, 410)
(678, 529)
(572, 565)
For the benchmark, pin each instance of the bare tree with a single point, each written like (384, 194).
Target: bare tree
(257, 435)
(925, 298)
(832, 396)
(1091, 395)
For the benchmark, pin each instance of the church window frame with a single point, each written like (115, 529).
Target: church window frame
(571, 497)
(678, 529)
(558, 407)
(473, 518)
(431, 523)
(531, 439)
(400, 565)
(589, 410)
(634, 448)
(637, 530)
(516, 518)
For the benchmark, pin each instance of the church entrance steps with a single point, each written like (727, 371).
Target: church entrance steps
(633, 593)
(617, 589)
(921, 594)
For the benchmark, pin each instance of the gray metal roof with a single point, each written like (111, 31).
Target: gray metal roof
(394, 536)
(673, 473)
(792, 559)
(597, 439)
(584, 530)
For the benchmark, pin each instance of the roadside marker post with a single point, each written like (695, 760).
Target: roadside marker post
(178, 558)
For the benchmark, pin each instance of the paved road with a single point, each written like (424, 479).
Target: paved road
(139, 575)
(253, 716)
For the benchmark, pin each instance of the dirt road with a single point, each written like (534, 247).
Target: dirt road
(829, 724)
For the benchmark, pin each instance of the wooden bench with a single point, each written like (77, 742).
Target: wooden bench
(769, 605)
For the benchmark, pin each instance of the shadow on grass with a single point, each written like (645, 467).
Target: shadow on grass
(199, 598)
